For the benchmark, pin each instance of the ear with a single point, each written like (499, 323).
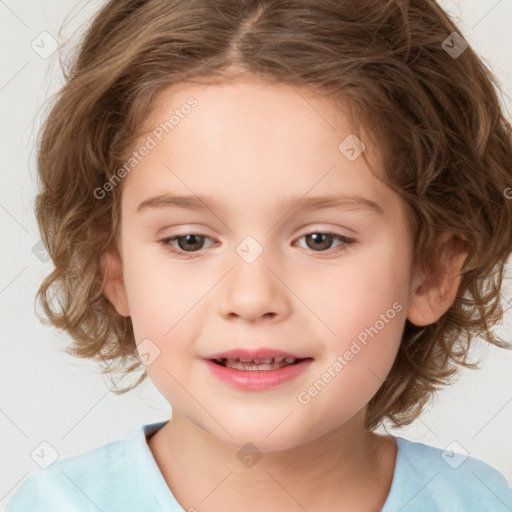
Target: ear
(115, 290)
(437, 291)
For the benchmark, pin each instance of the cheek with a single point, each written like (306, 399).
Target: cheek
(369, 289)
(363, 309)
(357, 358)
(167, 303)
(160, 292)
(365, 346)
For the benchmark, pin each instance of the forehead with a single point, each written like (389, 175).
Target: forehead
(254, 106)
(249, 142)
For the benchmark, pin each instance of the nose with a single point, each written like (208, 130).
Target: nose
(254, 291)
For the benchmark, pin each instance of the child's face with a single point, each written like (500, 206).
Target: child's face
(257, 280)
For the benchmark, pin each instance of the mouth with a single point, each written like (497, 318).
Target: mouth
(269, 363)
(257, 369)
(254, 359)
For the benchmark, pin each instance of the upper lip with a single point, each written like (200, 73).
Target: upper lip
(251, 354)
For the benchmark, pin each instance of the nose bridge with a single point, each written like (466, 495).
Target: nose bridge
(250, 249)
(253, 258)
(252, 289)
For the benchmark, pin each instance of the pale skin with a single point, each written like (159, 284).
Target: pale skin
(251, 146)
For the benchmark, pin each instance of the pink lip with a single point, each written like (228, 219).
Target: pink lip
(257, 380)
(249, 354)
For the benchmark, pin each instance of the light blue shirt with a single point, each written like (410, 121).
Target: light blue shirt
(123, 476)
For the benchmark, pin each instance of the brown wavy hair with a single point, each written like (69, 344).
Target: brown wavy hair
(445, 143)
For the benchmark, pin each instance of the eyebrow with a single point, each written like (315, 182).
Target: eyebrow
(348, 202)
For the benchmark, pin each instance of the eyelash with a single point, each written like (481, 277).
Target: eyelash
(166, 242)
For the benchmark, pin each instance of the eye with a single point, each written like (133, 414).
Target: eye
(185, 242)
(318, 241)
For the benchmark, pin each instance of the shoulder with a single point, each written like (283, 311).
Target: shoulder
(101, 479)
(429, 478)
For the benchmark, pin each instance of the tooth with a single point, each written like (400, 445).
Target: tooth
(268, 360)
(259, 364)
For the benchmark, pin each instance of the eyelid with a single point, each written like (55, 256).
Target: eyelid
(174, 237)
(346, 242)
(317, 228)
(309, 231)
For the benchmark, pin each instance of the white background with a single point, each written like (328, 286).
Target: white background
(49, 396)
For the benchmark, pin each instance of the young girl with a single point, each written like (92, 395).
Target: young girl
(340, 171)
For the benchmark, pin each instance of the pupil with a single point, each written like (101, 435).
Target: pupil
(188, 238)
(324, 244)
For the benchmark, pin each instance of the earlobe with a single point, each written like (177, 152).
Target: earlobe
(115, 290)
(437, 292)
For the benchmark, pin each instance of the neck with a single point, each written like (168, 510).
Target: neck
(346, 469)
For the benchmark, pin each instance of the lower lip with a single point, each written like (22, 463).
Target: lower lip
(256, 380)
